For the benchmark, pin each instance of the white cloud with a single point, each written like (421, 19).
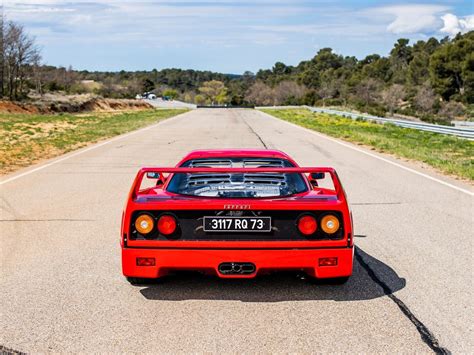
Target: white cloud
(410, 19)
(453, 24)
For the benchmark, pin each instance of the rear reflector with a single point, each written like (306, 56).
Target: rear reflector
(145, 261)
(144, 224)
(327, 261)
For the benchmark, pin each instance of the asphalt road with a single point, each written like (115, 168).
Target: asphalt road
(62, 288)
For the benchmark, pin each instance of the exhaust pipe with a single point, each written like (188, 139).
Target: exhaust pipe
(233, 268)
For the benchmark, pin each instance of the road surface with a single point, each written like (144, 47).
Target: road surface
(62, 288)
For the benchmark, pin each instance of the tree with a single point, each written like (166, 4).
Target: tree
(451, 110)
(368, 91)
(468, 77)
(328, 87)
(393, 96)
(260, 94)
(400, 57)
(280, 69)
(38, 74)
(377, 69)
(288, 93)
(418, 69)
(425, 98)
(171, 93)
(19, 53)
(451, 68)
(148, 85)
(189, 96)
(214, 91)
(199, 100)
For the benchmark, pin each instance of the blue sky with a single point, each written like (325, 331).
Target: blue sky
(226, 35)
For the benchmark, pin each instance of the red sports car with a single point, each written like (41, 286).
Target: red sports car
(237, 214)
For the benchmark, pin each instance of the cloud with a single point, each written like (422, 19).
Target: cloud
(453, 24)
(410, 19)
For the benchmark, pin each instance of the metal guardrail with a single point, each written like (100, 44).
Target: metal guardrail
(462, 132)
(463, 124)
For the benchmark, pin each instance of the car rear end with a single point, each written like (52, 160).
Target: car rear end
(233, 229)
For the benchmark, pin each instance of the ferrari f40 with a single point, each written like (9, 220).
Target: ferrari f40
(237, 214)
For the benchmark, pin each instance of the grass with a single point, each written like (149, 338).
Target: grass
(29, 138)
(451, 155)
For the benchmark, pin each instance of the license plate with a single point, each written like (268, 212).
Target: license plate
(237, 224)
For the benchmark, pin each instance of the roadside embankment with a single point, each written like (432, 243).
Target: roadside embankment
(49, 104)
(30, 137)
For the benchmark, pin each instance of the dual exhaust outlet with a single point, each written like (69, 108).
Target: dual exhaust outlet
(234, 268)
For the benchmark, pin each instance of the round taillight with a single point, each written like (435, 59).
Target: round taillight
(144, 224)
(330, 224)
(307, 225)
(167, 225)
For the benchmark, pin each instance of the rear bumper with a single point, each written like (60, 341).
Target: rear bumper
(265, 260)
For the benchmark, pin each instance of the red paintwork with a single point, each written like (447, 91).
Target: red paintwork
(266, 255)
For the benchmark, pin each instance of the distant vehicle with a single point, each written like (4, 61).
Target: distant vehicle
(146, 95)
(235, 214)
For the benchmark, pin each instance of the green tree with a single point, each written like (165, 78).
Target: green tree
(199, 100)
(214, 91)
(280, 69)
(400, 57)
(451, 68)
(148, 85)
(418, 69)
(171, 93)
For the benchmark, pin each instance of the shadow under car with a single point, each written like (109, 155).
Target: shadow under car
(278, 286)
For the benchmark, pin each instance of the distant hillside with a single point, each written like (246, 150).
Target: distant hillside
(433, 80)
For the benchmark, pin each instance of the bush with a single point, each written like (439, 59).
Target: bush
(449, 111)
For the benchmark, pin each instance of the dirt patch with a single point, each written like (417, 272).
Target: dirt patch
(75, 104)
(101, 105)
(14, 107)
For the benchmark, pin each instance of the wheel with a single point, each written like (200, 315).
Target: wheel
(136, 281)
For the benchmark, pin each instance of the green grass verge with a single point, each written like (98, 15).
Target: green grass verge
(447, 154)
(29, 138)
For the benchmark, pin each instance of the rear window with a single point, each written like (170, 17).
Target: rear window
(243, 185)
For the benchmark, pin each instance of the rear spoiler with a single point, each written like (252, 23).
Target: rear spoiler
(158, 170)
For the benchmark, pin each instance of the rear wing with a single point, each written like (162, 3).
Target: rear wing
(299, 170)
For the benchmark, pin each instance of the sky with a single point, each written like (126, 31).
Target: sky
(227, 36)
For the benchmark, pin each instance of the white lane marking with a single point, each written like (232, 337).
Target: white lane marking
(85, 150)
(374, 156)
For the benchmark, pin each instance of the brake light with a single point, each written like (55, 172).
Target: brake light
(307, 225)
(330, 224)
(167, 225)
(144, 224)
